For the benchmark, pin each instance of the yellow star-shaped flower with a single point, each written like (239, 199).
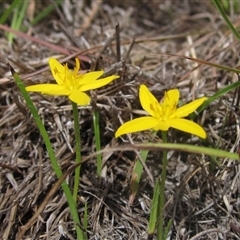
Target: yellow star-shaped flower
(164, 114)
(71, 83)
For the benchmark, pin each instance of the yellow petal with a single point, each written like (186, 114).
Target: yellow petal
(170, 101)
(50, 89)
(162, 125)
(89, 77)
(188, 108)
(188, 126)
(148, 101)
(58, 70)
(136, 125)
(80, 98)
(97, 83)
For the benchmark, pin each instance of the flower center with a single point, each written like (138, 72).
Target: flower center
(71, 78)
(157, 109)
(164, 109)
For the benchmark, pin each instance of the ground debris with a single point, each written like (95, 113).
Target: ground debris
(202, 198)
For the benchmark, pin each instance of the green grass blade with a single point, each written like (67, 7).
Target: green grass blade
(22, 12)
(167, 229)
(136, 175)
(54, 162)
(185, 148)
(217, 95)
(45, 12)
(6, 13)
(226, 19)
(97, 141)
(17, 18)
(154, 209)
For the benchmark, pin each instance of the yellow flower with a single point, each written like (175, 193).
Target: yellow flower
(71, 83)
(163, 115)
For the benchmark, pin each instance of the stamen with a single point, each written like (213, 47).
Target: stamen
(76, 69)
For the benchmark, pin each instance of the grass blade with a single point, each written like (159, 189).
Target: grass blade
(226, 19)
(54, 162)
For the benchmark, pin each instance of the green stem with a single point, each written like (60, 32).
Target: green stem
(77, 149)
(160, 230)
(97, 141)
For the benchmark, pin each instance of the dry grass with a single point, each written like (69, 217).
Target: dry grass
(202, 199)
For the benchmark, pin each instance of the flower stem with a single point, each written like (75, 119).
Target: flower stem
(78, 150)
(160, 229)
(97, 141)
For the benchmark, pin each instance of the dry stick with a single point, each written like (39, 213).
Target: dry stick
(11, 221)
(118, 44)
(64, 27)
(68, 34)
(33, 39)
(180, 189)
(126, 55)
(40, 174)
(104, 47)
(197, 236)
(87, 21)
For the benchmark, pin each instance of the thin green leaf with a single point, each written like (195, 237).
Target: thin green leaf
(217, 95)
(167, 229)
(226, 19)
(45, 12)
(184, 148)
(8, 11)
(154, 209)
(18, 18)
(136, 175)
(53, 159)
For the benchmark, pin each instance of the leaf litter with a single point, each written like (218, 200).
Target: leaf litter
(133, 40)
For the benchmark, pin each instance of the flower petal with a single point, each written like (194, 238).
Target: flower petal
(89, 77)
(170, 102)
(80, 98)
(97, 83)
(148, 101)
(136, 125)
(59, 71)
(188, 108)
(162, 125)
(76, 69)
(188, 126)
(50, 89)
